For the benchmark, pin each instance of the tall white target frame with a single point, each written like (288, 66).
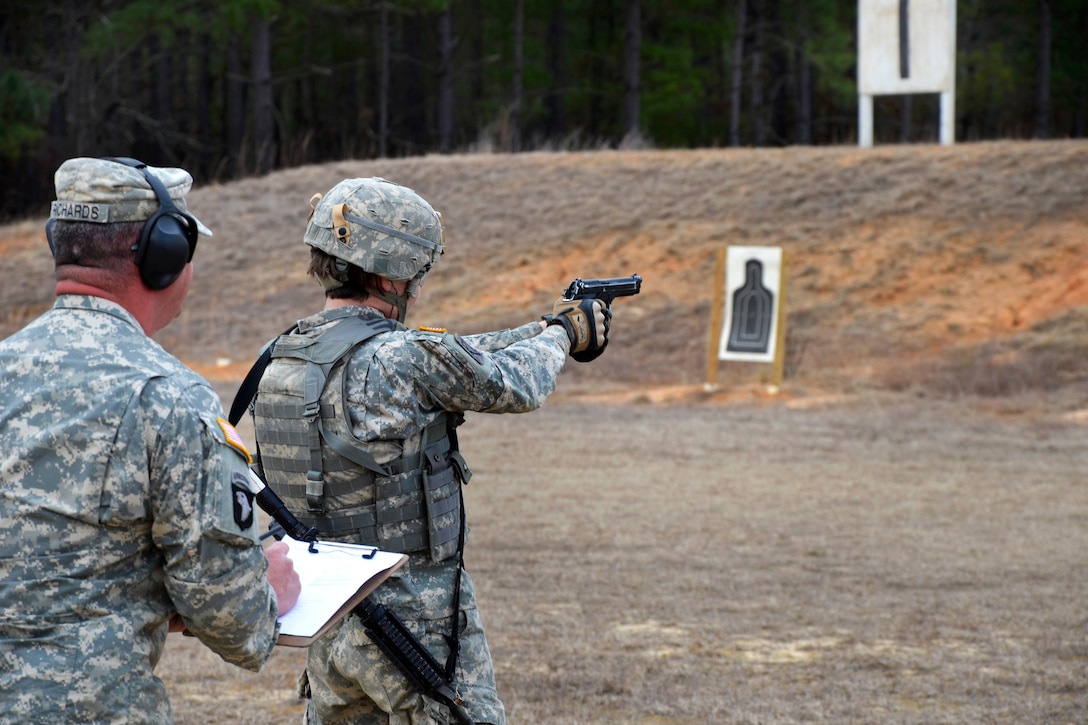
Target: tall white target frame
(904, 47)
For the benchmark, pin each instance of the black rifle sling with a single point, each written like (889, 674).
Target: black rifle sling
(454, 638)
(247, 391)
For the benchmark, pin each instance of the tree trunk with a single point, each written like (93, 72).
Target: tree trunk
(203, 107)
(235, 92)
(632, 42)
(1080, 115)
(383, 90)
(599, 42)
(515, 105)
(163, 106)
(476, 65)
(738, 74)
(147, 139)
(412, 96)
(804, 84)
(1042, 83)
(781, 76)
(62, 51)
(264, 121)
(445, 81)
(555, 121)
(759, 133)
(351, 129)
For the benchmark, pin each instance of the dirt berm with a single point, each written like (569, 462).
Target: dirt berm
(945, 270)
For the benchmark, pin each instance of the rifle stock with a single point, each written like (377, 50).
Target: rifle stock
(387, 631)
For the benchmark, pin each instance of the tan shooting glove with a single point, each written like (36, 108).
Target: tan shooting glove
(586, 323)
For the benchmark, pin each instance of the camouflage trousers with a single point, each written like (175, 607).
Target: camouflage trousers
(350, 681)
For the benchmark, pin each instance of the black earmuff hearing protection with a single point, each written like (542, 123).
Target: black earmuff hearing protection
(49, 224)
(167, 240)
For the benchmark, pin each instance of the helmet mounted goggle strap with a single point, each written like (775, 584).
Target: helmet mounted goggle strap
(340, 224)
(341, 277)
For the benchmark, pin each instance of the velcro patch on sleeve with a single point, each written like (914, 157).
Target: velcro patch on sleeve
(241, 501)
(472, 352)
(234, 439)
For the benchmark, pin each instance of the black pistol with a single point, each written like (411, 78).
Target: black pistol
(606, 289)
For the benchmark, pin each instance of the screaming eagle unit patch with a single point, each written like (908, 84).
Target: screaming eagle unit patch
(241, 495)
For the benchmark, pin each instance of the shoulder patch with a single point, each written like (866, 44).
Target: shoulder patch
(428, 328)
(472, 352)
(242, 500)
(234, 439)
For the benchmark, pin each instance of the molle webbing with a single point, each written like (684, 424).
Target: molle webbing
(413, 513)
(312, 460)
(416, 507)
(296, 439)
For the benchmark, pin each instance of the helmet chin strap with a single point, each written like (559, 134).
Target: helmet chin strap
(399, 302)
(416, 282)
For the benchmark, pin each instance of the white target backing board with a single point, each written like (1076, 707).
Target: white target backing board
(906, 46)
(753, 294)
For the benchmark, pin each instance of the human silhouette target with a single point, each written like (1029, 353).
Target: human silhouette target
(752, 294)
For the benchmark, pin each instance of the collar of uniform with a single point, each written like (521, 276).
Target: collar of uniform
(338, 313)
(95, 304)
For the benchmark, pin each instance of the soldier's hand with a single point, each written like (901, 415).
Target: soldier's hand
(282, 576)
(586, 323)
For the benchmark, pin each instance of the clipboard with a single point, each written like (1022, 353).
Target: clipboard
(335, 577)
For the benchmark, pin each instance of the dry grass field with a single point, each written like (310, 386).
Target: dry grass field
(900, 535)
(882, 561)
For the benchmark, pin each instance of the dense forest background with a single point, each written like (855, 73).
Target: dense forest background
(229, 88)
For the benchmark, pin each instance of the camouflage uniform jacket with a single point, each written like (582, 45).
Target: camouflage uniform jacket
(395, 385)
(398, 383)
(116, 512)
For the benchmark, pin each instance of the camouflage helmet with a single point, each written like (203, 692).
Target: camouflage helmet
(379, 226)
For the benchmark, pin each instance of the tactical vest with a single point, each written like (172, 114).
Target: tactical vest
(331, 480)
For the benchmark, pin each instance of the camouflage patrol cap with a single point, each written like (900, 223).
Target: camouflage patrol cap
(105, 191)
(377, 225)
